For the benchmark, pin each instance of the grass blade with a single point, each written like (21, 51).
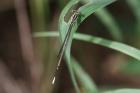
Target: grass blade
(63, 27)
(85, 80)
(92, 5)
(118, 46)
(124, 91)
(135, 6)
(108, 20)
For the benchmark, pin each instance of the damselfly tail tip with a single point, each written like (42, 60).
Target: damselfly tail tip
(53, 81)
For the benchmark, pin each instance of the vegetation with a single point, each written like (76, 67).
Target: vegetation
(98, 41)
(85, 8)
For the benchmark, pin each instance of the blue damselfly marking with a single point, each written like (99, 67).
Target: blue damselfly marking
(74, 18)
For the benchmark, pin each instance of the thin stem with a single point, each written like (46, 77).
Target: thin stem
(26, 43)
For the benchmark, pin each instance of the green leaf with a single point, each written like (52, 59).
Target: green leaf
(118, 46)
(82, 76)
(63, 27)
(93, 6)
(126, 49)
(131, 67)
(135, 6)
(108, 20)
(124, 91)
(87, 9)
(85, 80)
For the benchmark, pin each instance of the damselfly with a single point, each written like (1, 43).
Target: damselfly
(65, 42)
(74, 19)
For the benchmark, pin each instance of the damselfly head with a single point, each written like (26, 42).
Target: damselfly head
(75, 12)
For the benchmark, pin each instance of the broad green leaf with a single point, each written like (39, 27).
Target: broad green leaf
(85, 10)
(93, 6)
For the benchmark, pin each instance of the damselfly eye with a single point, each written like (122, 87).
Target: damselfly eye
(75, 12)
